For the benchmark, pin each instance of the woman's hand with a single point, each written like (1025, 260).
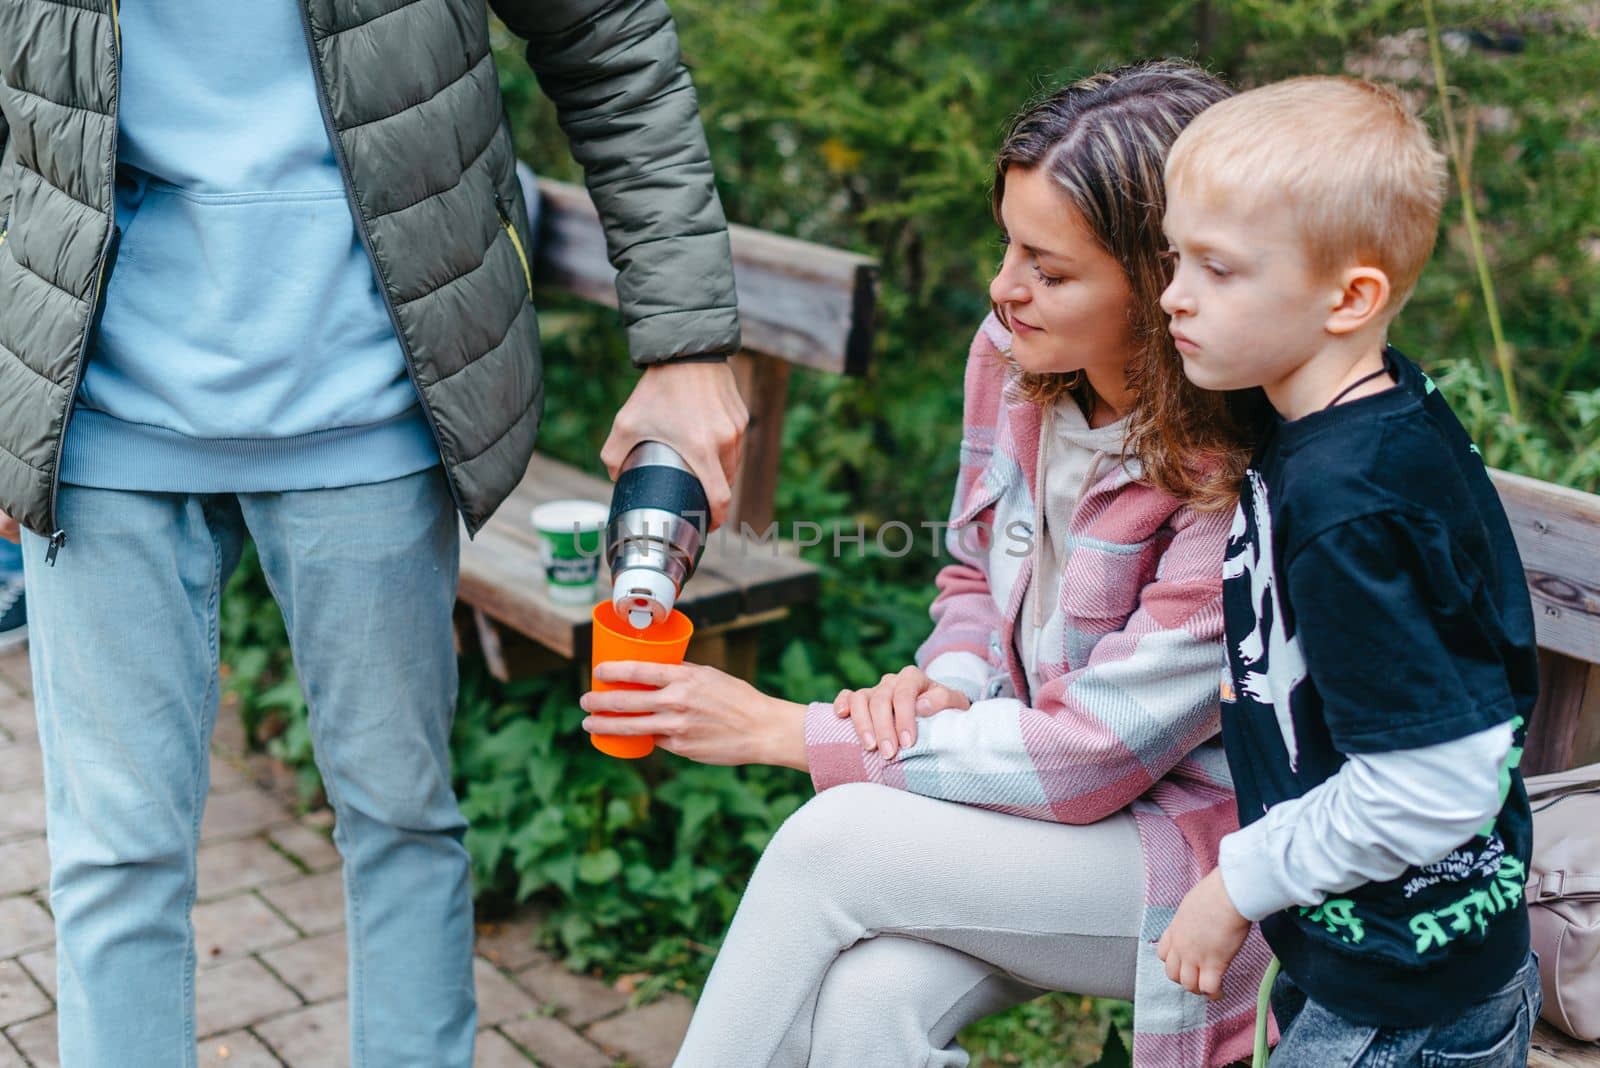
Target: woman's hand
(1203, 937)
(700, 713)
(885, 715)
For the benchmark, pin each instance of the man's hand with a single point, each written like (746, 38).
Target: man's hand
(10, 529)
(885, 715)
(695, 408)
(1203, 938)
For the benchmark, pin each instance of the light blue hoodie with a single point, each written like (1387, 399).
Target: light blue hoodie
(245, 345)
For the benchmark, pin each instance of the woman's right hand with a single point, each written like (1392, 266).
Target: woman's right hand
(885, 715)
(10, 529)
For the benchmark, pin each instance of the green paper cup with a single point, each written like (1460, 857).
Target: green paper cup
(570, 533)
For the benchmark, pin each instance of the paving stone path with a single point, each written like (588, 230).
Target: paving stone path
(269, 935)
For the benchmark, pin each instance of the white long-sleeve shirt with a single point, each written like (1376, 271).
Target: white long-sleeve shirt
(1378, 815)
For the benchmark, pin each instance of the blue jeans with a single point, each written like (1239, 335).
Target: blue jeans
(10, 560)
(124, 658)
(1493, 1033)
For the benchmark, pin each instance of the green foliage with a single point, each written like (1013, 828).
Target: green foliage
(1055, 1031)
(871, 126)
(634, 859)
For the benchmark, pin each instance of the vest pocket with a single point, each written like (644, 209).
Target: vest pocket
(516, 242)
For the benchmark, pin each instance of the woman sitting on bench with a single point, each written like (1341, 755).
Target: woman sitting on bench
(1023, 810)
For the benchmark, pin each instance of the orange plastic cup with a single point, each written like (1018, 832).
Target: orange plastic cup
(616, 639)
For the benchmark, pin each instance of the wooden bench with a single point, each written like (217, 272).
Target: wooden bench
(799, 304)
(1558, 534)
(1552, 1049)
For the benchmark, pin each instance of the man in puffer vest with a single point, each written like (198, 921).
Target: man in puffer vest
(264, 275)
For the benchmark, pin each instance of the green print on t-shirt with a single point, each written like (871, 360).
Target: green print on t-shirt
(1475, 909)
(1339, 917)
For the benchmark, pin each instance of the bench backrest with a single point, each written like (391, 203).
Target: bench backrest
(1558, 534)
(799, 303)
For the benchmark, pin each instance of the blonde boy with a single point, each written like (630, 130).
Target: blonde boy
(1381, 659)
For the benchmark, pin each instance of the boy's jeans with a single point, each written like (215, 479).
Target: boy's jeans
(124, 658)
(1494, 1033)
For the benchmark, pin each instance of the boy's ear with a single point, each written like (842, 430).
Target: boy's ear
(1363, 298)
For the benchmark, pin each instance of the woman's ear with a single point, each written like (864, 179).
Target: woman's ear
(1363, 297)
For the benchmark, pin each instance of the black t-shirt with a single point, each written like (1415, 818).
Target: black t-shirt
(1375, 602)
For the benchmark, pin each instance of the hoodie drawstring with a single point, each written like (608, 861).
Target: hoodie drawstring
(1047, 431)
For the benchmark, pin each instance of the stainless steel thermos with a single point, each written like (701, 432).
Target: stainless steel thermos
(655, 533)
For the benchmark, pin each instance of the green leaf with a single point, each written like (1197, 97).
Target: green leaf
(247, 666)
(575, 928)
(601, 867)
(696, 811)
(796, 667)
(486, 847)
(511, 745)
(563, 871)
(546, 830)
(756, 840)
(286, 694)
(619, 814)
(638, 877)
(490, 801)
(858, 672)
(529, 883)
(545, 774)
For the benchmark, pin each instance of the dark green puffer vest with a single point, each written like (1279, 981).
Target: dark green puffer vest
(409, 92)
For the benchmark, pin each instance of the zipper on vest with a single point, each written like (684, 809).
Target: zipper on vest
(501, 205)
(372, 255)
(108, 254)
(97, 307)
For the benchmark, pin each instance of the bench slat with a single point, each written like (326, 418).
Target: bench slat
(1558, 534)
(1552, 1049)
(806, 303)
(1565, 729)
(498, 575)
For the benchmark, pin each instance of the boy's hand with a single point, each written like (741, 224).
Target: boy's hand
(1203, 938)
(885, 715)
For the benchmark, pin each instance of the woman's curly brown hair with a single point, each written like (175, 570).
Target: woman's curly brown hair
(1104, 141)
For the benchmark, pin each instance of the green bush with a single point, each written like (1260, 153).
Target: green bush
(871, 127)
(635, 860)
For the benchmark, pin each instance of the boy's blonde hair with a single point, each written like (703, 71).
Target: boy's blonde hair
(1357, 168)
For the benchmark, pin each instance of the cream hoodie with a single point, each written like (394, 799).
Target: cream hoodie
(1072, 456)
